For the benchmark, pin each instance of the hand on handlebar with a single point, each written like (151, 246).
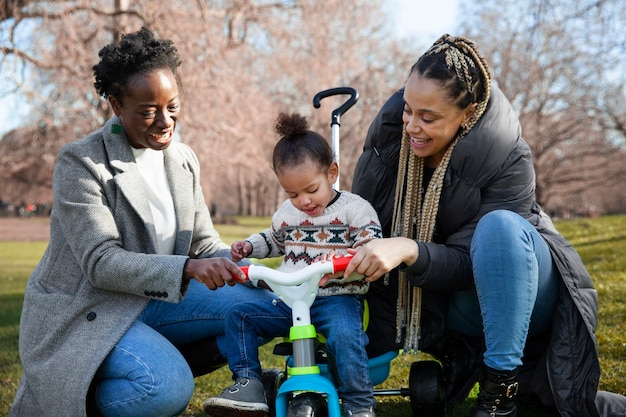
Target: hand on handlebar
(328, 257)
(380, 256)
(214, 272)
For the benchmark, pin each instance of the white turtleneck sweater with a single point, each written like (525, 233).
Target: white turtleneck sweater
(151, 165)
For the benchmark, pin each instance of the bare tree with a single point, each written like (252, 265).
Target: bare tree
(244, 61)
(35, 149)
(556, 63)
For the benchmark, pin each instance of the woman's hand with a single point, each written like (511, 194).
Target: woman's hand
(380, 256)
(214, 272)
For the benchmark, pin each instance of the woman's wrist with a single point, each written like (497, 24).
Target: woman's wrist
(412, 252)
(406, 249)
(186, 277)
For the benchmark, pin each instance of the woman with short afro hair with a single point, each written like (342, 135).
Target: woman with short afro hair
(134, 271)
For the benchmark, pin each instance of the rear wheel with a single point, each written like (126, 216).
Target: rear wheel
(426, 389)
(308, 404)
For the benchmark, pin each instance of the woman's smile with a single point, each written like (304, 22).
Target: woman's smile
(161, 138)
(419, 142)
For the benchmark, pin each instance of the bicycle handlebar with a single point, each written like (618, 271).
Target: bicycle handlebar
(340, 263)
(300, 285)
(269, 275)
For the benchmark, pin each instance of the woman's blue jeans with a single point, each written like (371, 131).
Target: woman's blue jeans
(339, 318)
(516, 288)
(145, 374)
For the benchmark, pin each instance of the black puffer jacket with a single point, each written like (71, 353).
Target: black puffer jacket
(491, 168)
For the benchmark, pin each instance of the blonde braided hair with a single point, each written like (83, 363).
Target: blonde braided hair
(455, 63)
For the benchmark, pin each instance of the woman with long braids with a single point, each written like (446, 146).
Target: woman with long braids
(471, 269)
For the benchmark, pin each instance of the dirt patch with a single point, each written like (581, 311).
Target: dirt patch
(28, 229)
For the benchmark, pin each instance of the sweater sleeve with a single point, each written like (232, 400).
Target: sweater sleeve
(270, 243)
(364, 225)
(264, 245)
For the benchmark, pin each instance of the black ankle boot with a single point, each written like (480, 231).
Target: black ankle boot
(496, 397)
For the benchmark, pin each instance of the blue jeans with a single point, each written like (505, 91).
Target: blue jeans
(339, 318)
(144, 374)
(516, 288)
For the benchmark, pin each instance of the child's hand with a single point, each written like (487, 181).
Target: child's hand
(263, 284)
(240, 249)
(328, 277)
(325, 257)
(328, 257)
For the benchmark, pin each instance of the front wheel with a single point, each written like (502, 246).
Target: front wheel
(308, 404)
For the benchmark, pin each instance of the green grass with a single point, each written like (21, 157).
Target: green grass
(238, 228)
(17, 260)
(601, 243)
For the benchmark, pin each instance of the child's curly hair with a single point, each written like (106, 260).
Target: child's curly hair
(299, 144)
(136, 53)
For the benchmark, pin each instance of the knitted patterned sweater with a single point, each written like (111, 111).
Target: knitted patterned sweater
(347, 222)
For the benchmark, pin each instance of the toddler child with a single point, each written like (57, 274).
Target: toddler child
(314, 221)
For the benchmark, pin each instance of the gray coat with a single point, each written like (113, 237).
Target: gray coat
(100, 268)
(490, 168)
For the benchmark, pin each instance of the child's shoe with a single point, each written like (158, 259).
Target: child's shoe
(365, 412)
(245, 398)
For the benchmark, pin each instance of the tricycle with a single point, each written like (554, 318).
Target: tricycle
(310, 390)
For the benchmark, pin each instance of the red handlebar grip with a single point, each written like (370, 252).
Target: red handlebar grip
(340, 263)
(244, 269)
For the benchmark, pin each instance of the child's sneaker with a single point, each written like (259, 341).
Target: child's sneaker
(245, 398)
(365, 412)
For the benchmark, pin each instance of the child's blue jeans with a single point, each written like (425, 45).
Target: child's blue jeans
(339, 318)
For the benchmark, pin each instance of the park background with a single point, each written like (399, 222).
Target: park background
(560, 62)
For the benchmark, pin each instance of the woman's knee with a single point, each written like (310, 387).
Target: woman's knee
(166, 387)
(498, 220)
(143, 372)
(498, 229)
(173, 373)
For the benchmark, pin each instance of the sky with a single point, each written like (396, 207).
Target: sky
(422, 19)
(426, 19)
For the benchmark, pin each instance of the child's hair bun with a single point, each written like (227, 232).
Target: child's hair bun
(290, 125)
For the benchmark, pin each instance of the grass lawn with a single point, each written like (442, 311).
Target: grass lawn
(601, 243)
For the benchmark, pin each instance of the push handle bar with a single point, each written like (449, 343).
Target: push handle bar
(339, 111)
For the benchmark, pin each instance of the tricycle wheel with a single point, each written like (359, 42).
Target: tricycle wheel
(426, 389)
(308, 404)
(272, 379)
